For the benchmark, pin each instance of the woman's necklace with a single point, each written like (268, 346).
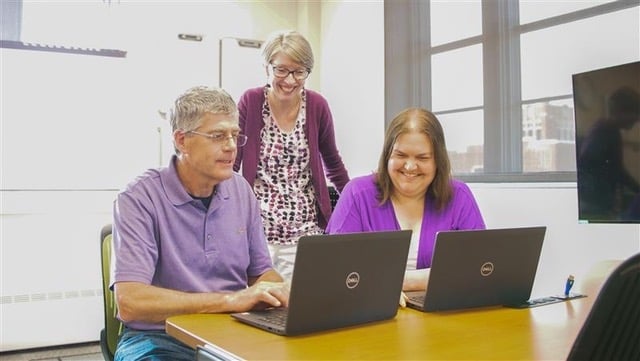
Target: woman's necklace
(284, 116)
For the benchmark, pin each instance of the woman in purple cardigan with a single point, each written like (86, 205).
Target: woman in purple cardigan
(291, 148)
(412, 189)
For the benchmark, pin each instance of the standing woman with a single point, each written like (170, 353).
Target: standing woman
(291, 141)
(412, 189)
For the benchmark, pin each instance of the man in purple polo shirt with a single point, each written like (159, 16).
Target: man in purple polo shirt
(189, 238)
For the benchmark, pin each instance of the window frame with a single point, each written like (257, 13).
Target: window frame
(408, 53)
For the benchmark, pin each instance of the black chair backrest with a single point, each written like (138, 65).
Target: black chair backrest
(334, 195)
(612, 328)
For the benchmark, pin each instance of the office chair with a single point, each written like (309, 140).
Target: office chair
(612, 328)
(333, 196)
(112, 326)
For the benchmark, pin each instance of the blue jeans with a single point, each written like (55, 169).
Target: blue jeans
(151, 346)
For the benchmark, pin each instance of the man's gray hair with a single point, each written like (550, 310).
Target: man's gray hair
(189, 107)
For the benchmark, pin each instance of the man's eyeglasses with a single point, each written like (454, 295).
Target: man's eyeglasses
(281, 72)
(219, 138)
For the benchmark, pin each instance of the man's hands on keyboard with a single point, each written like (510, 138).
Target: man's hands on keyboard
(403, 300)
(261, 295)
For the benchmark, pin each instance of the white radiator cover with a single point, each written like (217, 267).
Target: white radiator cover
(50, 319)
(51, 280)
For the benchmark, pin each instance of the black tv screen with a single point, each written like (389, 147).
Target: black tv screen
(607, 125)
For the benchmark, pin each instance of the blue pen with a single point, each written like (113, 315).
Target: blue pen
(568, 285)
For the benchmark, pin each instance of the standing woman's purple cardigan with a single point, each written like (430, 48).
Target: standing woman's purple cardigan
(320, 136)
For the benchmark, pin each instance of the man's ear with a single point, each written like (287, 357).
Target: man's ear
(179, 137)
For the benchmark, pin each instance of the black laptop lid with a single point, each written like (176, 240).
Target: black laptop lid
(476, 268)
(346, 279)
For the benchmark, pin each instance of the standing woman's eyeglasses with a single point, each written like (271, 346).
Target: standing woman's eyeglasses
(281, 72)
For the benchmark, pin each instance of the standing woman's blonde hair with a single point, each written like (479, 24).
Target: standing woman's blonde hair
(290, 43)
(423, 121)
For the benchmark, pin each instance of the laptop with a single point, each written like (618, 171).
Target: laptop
(339, 280)
(478, 268)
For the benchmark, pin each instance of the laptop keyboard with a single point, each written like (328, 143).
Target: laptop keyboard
(544, 301)
(276, 316)
(416, 298)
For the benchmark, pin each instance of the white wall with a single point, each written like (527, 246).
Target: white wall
(569, 247)
(71, 138)
(352, 79)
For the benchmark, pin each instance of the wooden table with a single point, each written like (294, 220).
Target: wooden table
(540, 333)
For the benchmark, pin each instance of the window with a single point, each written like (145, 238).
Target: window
(498, 76)
(94, 24)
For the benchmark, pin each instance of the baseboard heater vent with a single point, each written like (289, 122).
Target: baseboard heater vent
(50, 296)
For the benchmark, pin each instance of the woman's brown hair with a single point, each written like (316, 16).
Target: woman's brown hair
(423, 121)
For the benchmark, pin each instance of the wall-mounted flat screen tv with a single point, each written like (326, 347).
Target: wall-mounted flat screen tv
(607, 125)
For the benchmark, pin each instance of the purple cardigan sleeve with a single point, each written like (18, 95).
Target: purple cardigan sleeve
(358, 209)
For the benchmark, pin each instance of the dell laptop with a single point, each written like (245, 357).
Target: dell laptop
(339, 280)
(478, 268)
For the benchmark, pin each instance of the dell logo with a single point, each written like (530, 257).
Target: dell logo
(352, 280)
(486, 269)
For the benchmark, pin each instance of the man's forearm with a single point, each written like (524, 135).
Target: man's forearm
(146, 303)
